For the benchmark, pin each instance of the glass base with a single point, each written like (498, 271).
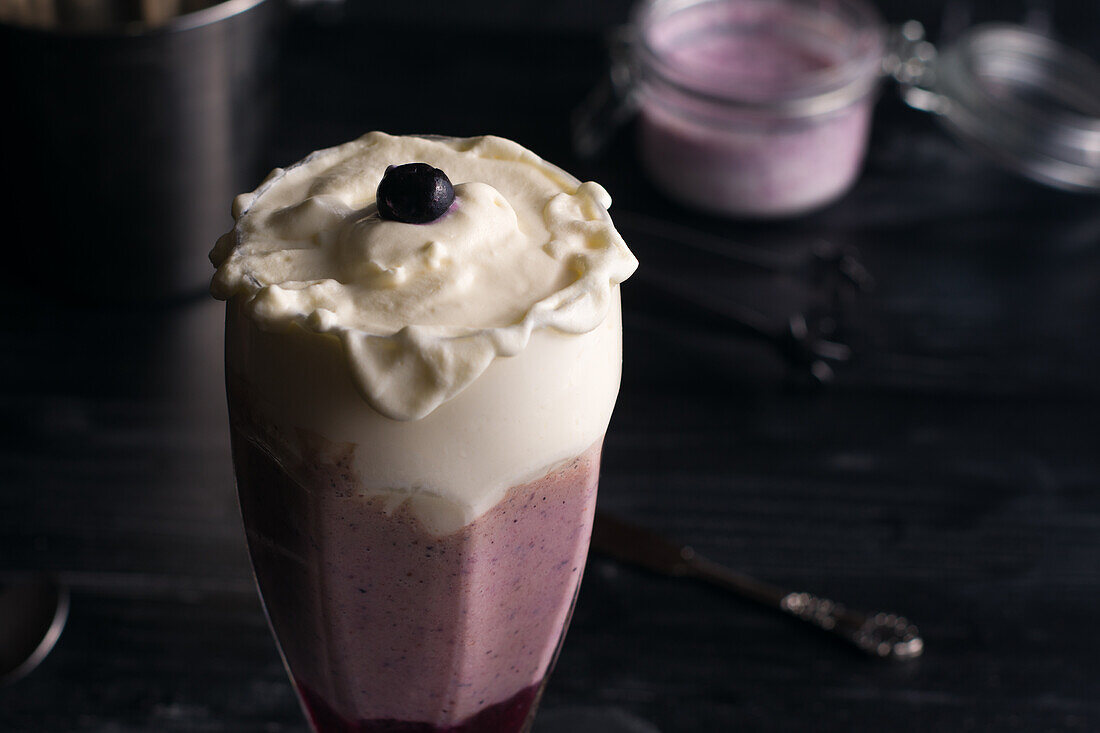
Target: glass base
(504, 716)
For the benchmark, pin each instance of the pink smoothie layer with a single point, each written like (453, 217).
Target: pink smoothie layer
(387, 627)
(757, 169)
(731, 159)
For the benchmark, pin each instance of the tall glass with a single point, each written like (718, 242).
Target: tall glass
(387, 621)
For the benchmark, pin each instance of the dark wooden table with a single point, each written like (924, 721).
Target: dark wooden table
(950, 471)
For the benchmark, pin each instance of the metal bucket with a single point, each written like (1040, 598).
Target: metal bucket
(128, 133)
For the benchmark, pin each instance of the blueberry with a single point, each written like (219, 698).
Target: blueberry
(414, 193)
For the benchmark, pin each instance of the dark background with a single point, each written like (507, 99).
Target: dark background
(950, 471)
(1069, 17)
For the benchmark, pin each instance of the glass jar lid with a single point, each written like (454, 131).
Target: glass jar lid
(1021, 97)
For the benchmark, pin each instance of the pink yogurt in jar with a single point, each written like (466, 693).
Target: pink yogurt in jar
(757, 108)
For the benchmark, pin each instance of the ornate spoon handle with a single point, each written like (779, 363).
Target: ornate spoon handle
(878, 634)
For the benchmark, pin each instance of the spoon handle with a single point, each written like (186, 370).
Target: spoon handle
(878, 634)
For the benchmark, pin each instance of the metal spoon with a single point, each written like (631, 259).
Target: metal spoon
(33, 611)
(878, 634)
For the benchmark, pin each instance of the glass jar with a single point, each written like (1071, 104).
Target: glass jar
(753, 107)
(761, 108)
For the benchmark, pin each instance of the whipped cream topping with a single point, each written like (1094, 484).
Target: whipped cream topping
(422, 310)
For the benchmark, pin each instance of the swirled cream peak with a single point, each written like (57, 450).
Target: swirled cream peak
(423, 309)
